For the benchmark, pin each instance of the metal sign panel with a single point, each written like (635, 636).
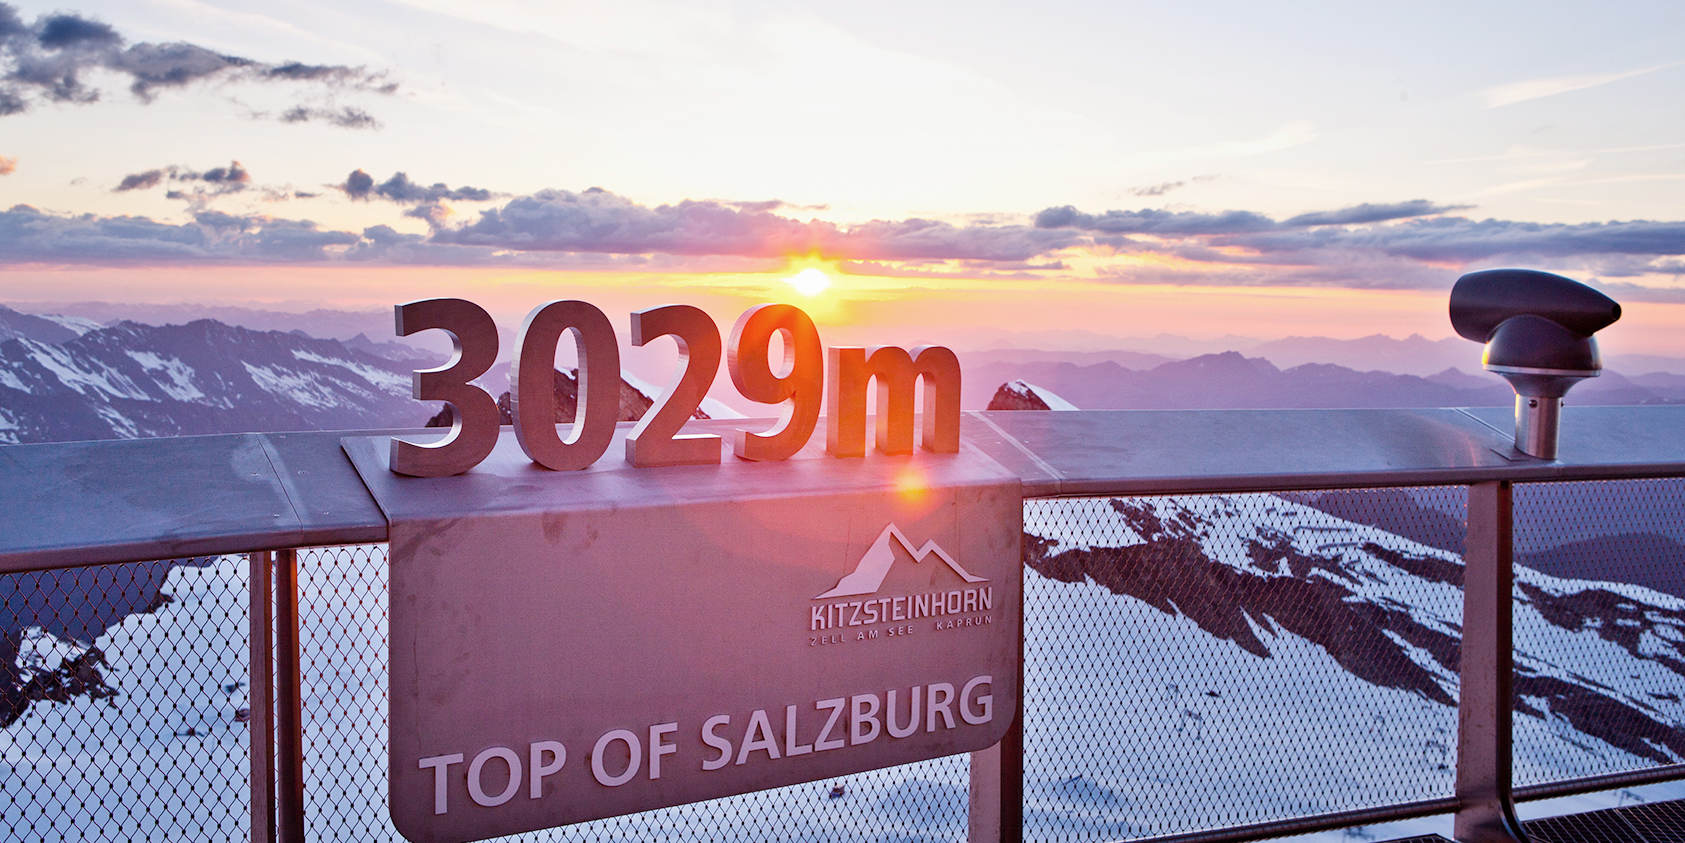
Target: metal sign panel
(567, 646)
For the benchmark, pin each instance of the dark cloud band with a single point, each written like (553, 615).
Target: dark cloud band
(1404, 245)
(596, 220)
(229, 179)
(49, 60)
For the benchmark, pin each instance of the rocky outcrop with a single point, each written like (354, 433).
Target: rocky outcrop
(1022, 395)
(633, 403)
(28, 675)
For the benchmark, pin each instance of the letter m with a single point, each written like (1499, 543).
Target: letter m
(849, 369)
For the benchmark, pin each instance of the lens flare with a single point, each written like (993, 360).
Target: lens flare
(810, 282)
(910, 484)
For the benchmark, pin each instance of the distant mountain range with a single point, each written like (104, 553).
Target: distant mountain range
(1412, 355)
(70, 377)
(320, 322)
(1231, 380)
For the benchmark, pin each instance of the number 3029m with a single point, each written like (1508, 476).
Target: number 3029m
(839, 376)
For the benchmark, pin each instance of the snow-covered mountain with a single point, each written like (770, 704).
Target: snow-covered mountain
(63, 378)
(1023, 395)
(47, 328)
(133, 380)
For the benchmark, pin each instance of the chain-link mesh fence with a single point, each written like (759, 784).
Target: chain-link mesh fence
(123, 702)
(1599, 627)
(1208, 661)
(1192, 662)
(342, 606)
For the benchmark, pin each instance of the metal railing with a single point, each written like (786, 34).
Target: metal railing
(1287, 700)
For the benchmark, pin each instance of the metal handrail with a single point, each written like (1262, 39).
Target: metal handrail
(236, 493)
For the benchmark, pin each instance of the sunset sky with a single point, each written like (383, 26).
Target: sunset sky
(1059, 175)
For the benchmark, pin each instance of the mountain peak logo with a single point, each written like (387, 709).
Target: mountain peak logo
(874, 565)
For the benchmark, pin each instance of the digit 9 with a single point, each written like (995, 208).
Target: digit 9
(800, 389)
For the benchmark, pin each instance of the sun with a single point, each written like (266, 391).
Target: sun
(810, 282)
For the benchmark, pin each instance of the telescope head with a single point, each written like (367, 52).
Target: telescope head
(1537, 328)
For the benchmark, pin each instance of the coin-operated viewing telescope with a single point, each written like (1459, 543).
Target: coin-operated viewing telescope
(1537, 329)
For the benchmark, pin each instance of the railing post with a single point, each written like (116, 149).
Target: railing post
(288, 709)
(1485, 808)
(997, 788)
(997, 774)
(259, 683)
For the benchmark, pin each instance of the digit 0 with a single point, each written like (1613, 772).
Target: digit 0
(532, 388)
(474, 425)
(801, 389)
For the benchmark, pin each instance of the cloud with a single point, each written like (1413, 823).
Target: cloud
(28, 235)
(399, 188)
(358, 184)
(139, 181)
(1458, 239)
(49, 60)
(770, 205)
(596, 220)
(1371, 212)
(231, 174)
(220, 220)
(1190, 223)
(1165, 187)
(1499, 96)
(331, 73)
(348, 117)
(8, 165)
(60, 31)
(1414, 244)
(1151, 221)
(10, 23)
(229, 179)
(433, 213)
(1157, 189)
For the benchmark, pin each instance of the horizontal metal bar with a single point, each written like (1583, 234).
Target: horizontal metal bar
(1308, 825)
(86, 503)
(1590, 784)
(1414, 810)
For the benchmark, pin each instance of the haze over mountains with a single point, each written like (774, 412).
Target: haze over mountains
(1231, 380)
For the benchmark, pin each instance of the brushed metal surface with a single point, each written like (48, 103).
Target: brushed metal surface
(1145, 451)
(76, 503)
(1605, 441)
(532, 608)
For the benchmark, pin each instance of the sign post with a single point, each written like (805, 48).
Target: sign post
(567, 646)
